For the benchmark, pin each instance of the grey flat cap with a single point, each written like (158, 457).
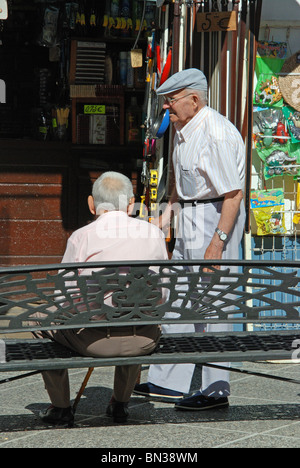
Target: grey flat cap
(190, 78)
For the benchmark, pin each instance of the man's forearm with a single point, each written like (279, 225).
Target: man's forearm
(230, 209)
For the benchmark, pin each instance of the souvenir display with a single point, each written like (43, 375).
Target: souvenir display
(296, 218)
(289, 81)
(268, 210)
(269, 127)
(293, 122)
(273, 143)
(269, 62)
(276, 133)
(276, 125)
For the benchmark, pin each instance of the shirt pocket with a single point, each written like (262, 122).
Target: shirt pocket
(189, 181)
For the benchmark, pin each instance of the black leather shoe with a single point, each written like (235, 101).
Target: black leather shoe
(58, 416)
(118, 410)
(200, 402)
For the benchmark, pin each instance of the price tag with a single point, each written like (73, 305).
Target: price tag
(94, 109)
(136, 58)
(217, 21)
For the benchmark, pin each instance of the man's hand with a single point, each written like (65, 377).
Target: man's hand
(214, 252)
(230, 209)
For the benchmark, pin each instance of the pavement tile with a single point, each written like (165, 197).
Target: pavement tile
(263, 413)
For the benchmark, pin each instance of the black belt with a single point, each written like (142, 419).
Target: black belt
(195, 202)
(124, 331)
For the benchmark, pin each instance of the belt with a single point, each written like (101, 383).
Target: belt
(124, 331)
(120, 331)
(195, 202)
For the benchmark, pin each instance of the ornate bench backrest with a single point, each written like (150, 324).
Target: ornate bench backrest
(114, 294)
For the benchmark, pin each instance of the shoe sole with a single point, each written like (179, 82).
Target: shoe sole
(62, 424)
(193, 408)
(120, 420)
(157, 397)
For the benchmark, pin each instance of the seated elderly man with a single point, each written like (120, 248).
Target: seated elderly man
(113, 236)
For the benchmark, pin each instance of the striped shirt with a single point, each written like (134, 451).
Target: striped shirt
(208, 157)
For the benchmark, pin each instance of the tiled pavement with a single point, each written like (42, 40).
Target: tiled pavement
(263, 414)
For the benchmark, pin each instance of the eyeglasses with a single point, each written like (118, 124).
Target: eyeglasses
(171, 101)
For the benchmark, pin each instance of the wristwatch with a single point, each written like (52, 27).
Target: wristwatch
(222, 235)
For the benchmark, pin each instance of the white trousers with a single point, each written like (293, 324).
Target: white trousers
(196, 228)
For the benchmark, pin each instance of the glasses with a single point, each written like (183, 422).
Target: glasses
(171, 101)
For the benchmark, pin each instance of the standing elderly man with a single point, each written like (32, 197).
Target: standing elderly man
(209, 166)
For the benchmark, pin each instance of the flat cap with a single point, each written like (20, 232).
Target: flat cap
(190, 78)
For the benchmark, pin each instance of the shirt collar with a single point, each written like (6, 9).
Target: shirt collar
(112, 214)
(187, 131)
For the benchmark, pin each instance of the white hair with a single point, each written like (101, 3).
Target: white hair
(203, 96)
(112, 191)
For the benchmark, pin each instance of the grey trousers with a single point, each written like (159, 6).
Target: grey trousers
(98, 342)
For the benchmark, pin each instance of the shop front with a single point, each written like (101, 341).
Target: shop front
(71, 108)
(77, 95)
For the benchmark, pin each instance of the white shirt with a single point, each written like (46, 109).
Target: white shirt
(208, 157)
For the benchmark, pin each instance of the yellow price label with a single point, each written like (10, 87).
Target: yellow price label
(94, 109)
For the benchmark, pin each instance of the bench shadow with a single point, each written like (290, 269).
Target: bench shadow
(91, 413)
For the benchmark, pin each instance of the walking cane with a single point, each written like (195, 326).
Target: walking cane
(82, 388)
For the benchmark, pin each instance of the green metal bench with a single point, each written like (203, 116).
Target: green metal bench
(260, 296)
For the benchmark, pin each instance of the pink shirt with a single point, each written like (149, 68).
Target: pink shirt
(114, 236)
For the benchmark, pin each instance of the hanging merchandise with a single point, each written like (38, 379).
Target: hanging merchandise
(81, 26)
(43, 126)
(289, 81)
(60, 122)
(126, 20)
(130, 72)
(123, 67)
(92, 20)
(107, 23)
(296, 218)
(269, 62)
(115, 18)
(281, 160)
(149, 18)
(48, 36)
(268, 210)
(273, 143)
(93, 17)
(136, 16)
(71, 10)
(293, 121)
(269, 127)
(133, 123)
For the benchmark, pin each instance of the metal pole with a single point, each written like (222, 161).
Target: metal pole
(255, 14)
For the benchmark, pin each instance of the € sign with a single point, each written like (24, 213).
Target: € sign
(217, 21)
